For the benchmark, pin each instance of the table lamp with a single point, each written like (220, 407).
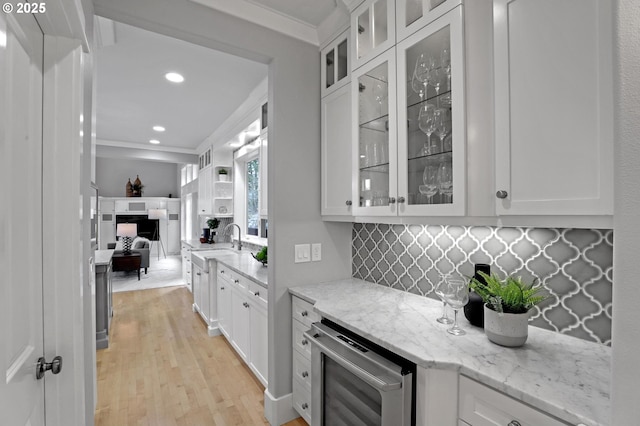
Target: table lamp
(127, 231)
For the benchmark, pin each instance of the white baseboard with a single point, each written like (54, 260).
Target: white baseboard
(213, 331)
(279, 411)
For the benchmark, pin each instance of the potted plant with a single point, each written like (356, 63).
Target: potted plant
(223, 175)
(506, 307)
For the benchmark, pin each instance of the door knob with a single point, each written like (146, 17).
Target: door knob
(42, 366)
(401, 200)
(502, 194)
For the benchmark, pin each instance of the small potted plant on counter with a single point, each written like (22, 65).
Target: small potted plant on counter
(506, 307)
(223, 175)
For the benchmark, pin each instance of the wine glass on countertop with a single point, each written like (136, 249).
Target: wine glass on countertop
(441, 290)
(457, 296)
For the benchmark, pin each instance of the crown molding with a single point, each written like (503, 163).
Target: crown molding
(148, 147)
(265, 17)
(351, 4)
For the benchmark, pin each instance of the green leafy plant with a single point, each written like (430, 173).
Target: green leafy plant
(213, 223)
(261, 256)
(510, 295)
(223, 171)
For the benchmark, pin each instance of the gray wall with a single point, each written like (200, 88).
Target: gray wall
(294, 151)
(625, 391)
(159, 179)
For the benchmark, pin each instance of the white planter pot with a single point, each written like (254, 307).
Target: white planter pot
(506, 329)
(222, 178)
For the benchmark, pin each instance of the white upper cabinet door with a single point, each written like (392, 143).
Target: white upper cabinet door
(431, 109)
(411, 15)
(335, 71)
(336, 153)
(373, 30)
(553, 100)
(374, 154)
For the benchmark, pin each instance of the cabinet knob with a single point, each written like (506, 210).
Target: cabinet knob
(304, 313)
(304, 374)
(514, 423)
(401, 200)
(305, 406)
(348, 203)
(257, 293)
(304, 342)
(221, 288)
(236, 281)
(198, 273)
(245, 304)
(222, 271)
(502, 194)
(392, 200)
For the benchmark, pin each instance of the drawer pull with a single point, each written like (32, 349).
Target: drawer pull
(304, 374)
(221, 288)
(245, 304)
(514, 423)
(257, 293)
(198, 273)
(304, 406)
(236, 281)
(304, 313)
(222, 271)
(304, 342)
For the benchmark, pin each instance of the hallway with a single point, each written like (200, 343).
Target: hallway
(161, 368)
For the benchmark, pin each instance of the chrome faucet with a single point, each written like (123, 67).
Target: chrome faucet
(231, 234)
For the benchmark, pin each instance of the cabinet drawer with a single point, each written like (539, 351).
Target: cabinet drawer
(300, 343)
(303, 311)
(480, 405)
(302, 401)
(302, 370)
(258, 294)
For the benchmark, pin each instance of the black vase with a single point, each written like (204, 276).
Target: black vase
(206, 233)
(474, 310)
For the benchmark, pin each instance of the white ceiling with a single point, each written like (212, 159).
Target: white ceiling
(133, 95)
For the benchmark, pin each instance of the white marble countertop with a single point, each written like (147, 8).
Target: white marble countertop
(240, 261)
(103, 257)
(564, 376)
(197, 245)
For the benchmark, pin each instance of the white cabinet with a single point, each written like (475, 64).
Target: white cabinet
(264, 175)
(200, 282)
(336, 153)
(242, 318)
(204, 191)
(553, 102)
(302, 316)
(222, 191)
(334, 67)
(107, 219)
(173, 216)
(186, 265)
(480, 405)
(412, 15)
(372, 30)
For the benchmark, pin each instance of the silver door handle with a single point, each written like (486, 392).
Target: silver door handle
(360, 372)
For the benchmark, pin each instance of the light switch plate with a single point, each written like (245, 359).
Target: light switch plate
(316, 252)
(302, 253)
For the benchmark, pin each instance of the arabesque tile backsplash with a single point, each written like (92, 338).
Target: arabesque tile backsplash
(574, 265)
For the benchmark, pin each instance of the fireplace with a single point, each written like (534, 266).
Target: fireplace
(147, 228)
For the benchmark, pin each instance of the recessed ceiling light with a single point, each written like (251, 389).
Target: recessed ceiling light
(154, 141)
(174, 77)
(159, 128)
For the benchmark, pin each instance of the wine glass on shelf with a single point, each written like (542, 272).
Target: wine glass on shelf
(422, 71)
(427, 125)
(442, 125)
(441, 290)
(430, 180)
(445, 62)
(417, 86)
(380, 94)
(445, 179)
(456, 296)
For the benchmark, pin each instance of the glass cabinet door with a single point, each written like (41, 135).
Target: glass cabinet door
(375, 155)
(335, 64)
(431, 145)
(414, 14)
(372, 29)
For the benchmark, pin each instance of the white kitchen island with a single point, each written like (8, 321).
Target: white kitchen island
(561, 377)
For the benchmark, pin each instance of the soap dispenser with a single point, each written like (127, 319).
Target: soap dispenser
(474, 310)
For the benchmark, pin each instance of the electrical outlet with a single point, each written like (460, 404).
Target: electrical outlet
(302, 253)
(316, 252)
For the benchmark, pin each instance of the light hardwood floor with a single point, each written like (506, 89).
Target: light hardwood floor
(161, 368)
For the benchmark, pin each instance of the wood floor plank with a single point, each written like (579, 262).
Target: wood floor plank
(162, 369)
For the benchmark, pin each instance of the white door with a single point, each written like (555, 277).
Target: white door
(21, 315)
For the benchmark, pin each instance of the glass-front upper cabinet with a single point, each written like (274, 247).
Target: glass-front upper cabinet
(431, 145)
(374, 137)
(412, 15)
(335, 70)
(373, 30)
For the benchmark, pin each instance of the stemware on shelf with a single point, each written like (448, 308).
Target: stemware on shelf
(430, 180)
(445, 179)
(417, 86)
(441, 290)
(427, 125)
(456, 296)
(442, 126)
(380, 95)
(424, 67)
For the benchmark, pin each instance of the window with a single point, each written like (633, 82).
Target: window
(253, 196)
